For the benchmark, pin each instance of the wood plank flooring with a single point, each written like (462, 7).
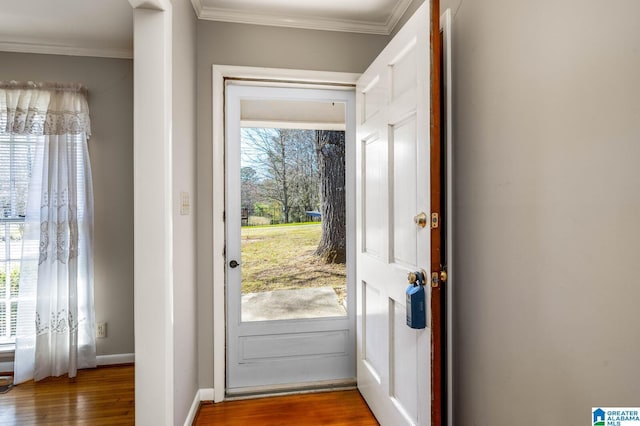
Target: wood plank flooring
(105, 396)
(329, 408)
(102, 396)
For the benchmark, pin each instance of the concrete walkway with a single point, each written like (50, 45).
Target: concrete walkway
(319, 302)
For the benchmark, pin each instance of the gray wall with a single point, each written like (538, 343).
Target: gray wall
(547, 143)
(185, 380)
(110, 84)
(261, 46)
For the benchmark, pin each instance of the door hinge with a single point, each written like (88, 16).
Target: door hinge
(435, 220)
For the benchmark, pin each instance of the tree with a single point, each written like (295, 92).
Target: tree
(304, 175)
(286, 167)
(330, 147)
(248, 188)
(267, 151)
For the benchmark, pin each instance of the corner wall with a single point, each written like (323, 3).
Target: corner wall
(185, 372)
(110, 84)
(547, 144)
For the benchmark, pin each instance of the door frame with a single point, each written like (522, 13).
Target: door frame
(220, 73)
(446, 125)
(437, 184)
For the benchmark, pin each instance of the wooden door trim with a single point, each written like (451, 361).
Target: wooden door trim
(436, 233)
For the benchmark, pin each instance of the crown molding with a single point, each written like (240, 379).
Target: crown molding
(306, 22)
(151, 4)
(41, 46)
(197, 6)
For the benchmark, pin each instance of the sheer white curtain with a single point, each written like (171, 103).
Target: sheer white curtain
(55, 331)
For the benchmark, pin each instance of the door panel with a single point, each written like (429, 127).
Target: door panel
(405, 153)
(372, 98)
(393, 185)
(403, 70)
(373, 324)
(298, 345)
(373, 191)
(404, 381)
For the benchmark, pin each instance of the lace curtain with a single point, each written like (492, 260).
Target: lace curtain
(43, 109)
(55, 331)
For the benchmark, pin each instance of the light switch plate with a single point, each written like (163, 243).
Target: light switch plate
(185, 206)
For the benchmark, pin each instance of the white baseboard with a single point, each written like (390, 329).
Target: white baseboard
(206, 394)
(193, 411)
(115, 359)
(201, 395)
(7, 366)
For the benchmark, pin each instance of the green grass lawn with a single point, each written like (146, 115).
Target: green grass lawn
(281, 257)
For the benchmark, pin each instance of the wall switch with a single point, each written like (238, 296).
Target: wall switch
(185, 205)
(101, 330)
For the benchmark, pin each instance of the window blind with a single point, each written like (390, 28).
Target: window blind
(16, 158)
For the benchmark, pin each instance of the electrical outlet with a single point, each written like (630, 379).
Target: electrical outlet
(101, 330)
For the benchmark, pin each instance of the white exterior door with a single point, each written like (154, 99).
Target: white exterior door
(393, 186)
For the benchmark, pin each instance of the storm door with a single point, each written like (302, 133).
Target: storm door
(289, 237)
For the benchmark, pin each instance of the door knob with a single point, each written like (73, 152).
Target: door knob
(420, 219)
(233, 264)
(417, 277)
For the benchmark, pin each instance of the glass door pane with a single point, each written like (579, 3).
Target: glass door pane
(292, 223)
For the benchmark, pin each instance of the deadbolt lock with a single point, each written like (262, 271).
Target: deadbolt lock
(437, 278)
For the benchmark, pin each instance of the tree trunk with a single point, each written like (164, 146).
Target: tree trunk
(330, 148)
(285, 182)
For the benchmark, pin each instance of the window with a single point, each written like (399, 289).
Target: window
(16, 157)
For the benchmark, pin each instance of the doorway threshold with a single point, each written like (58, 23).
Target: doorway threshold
(290, 389)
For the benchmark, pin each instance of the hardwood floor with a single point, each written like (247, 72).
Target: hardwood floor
(102, 396)
(329, 408)
(105, 396)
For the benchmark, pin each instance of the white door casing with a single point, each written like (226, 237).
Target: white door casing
(392, 186)
(445, 27)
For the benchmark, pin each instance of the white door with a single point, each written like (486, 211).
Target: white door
(284, 339)
(393, 186)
